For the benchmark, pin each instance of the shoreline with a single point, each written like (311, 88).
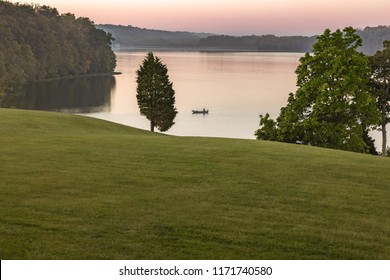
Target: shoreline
(196, 49)
(78, 76)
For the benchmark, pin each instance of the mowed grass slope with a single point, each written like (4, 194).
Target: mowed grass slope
(73, 187)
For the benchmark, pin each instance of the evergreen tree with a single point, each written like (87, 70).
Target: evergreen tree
(332, 106)
(155, 94)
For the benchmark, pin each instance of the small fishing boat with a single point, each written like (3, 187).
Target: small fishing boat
(204, 111)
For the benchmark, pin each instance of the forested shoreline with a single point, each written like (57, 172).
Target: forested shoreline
(131, 37)
(37, 43)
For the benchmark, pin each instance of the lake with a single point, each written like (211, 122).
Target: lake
(234, 86)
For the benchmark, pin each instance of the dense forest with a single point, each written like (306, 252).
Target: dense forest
(134, 37)
(36, 43)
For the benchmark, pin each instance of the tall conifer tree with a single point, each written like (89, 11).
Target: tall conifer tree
(155, 94)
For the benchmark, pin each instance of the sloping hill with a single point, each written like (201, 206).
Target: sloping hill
(73, 187)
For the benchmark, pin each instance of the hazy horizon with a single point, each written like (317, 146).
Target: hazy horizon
(230, 17)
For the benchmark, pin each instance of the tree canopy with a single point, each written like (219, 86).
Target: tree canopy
(332, 106)
(36, 42)
(155, 94)
(380, 85)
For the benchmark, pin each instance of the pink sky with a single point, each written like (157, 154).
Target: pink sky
(236, 17)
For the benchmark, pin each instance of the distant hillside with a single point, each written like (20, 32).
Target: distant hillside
(373, 38)
(259, 43)
(130, 36)
(134, 37)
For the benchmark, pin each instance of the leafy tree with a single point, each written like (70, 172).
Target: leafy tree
(332, 106)
(268, 130)
(37, 43)
(380, 85)
(155, 94)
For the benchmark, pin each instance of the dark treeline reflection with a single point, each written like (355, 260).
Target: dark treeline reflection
(81, 95)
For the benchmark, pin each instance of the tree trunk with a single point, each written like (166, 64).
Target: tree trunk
(384, 132)
(152, 125)
(384, 140)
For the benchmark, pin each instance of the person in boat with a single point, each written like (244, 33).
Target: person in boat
(204, 111)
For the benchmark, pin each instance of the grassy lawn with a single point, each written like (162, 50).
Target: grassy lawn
(73, 187)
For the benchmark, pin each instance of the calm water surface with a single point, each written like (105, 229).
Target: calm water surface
(235, 87)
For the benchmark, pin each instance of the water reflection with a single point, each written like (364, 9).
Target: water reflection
(81, 95)
(235, 87)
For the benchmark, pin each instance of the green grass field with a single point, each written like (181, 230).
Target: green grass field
(73, 187)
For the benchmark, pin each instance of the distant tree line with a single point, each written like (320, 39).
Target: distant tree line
(373, 38)
(36, 43)
(135, 37)
(131, 36)
(259, 43)
(372, 41)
